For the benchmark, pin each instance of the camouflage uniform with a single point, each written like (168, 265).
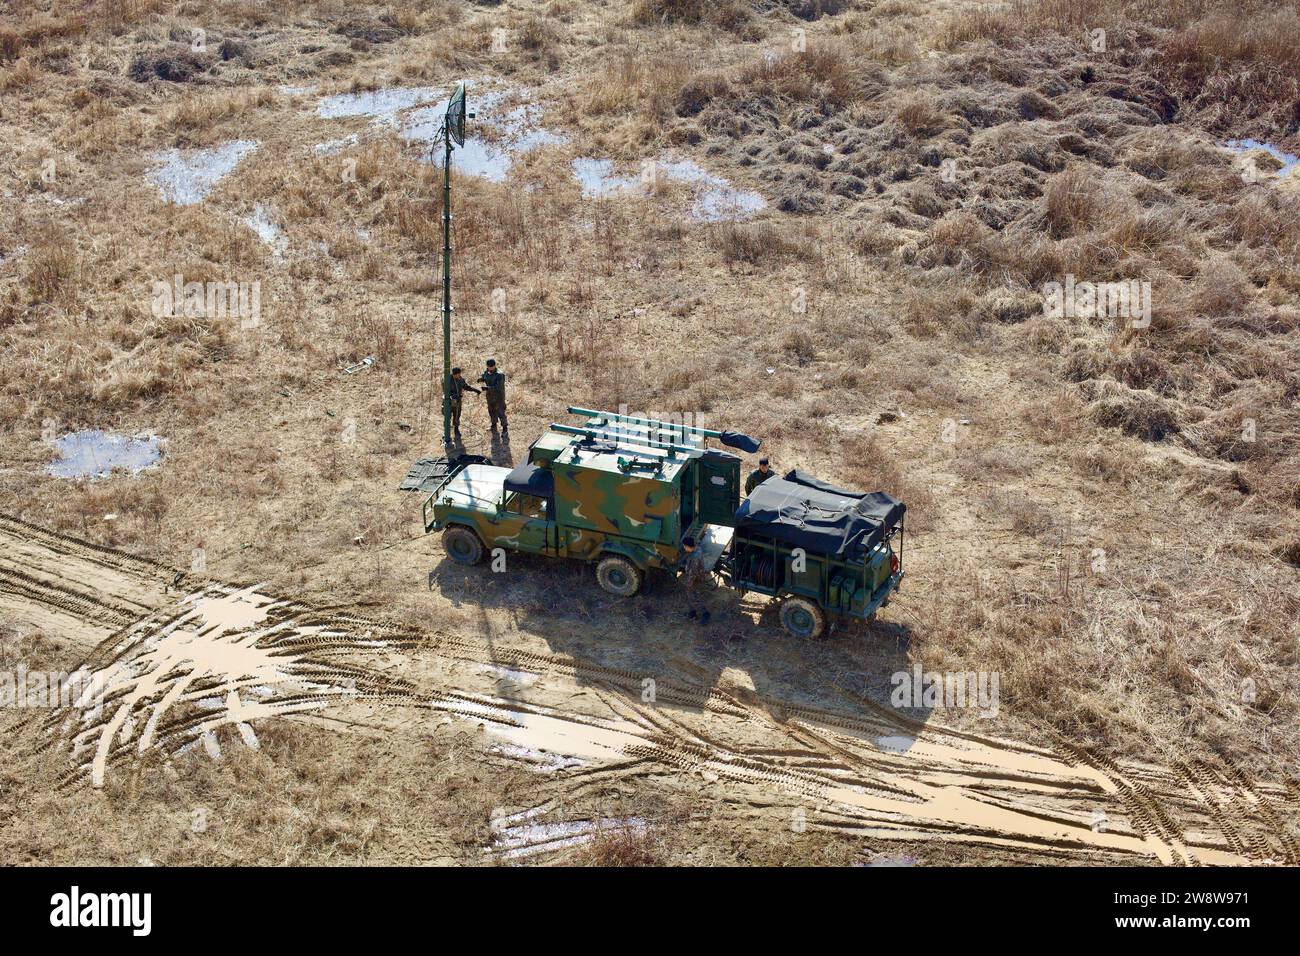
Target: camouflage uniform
(458, 389)
(494, 389)
(756, 478)
(696, 577)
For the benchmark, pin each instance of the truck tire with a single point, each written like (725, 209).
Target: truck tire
(618, 576)
(462, 545)
(802, 618)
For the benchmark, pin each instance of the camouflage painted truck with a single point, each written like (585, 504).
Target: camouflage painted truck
(621, 492)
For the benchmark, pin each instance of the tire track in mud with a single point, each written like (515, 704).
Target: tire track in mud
(78, 604)
(1265, 811)
(65, 544)
(1239, 811)
(227, 656)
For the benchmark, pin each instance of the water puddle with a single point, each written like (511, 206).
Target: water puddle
(715, 200)
(97, 454)
(1289, 162)
(894, 859)
(174, 684)
(186, 177)
(509, 674)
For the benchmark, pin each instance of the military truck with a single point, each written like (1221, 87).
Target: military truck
(622, 492)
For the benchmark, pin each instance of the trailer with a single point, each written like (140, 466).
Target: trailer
(823, 552)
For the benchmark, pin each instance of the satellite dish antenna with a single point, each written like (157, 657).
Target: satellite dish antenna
(456, 115)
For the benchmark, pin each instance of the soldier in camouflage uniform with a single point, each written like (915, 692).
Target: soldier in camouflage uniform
(494, 388)
(458, 389)
(696, 577)
(757, 476)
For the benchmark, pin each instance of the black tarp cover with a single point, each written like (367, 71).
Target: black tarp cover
(531, 480)
(803, 512)
(740, 441)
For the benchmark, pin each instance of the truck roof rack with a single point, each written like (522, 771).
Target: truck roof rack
(622, 439)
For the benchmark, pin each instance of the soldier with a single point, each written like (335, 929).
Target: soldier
(696, 575)
(494, 387)
(458, 389)
(757, 477)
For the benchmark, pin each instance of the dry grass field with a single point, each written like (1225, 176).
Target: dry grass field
(1104, 509)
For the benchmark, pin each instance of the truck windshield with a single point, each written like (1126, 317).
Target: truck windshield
(529, 506)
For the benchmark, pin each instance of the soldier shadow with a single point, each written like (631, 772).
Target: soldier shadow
(743, 651)
(493, 446)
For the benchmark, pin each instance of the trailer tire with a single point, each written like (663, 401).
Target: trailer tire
(618, 576)
(802, 618)
(462, 545)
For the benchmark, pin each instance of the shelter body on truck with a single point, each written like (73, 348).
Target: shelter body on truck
(622, 492)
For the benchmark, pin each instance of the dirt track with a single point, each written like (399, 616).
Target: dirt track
(189, 663)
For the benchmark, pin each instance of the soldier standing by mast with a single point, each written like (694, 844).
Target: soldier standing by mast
(494, 390)
(458, 389)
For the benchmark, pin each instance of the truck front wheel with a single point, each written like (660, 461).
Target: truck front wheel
(618, 576)
(462, 545)
(802, 618)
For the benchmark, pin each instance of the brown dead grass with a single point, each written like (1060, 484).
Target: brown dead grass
(1080, 435)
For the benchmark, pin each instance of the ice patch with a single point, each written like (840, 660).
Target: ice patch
(382, 106)
(523, 678)
(96, 454)
(332, 147)
(417, 114)
(597, 177)
(13, 255)
(514, 132)
(267, 229)
(714, 198)
(530, 839)
(544, 762)
(186, 177)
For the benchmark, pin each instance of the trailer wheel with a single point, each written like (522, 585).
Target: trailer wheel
(618, 576)
(802, 618)
(462, 545)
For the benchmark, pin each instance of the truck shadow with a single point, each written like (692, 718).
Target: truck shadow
(743, 651)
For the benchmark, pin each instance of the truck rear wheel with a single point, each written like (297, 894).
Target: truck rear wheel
(618, 576)
(802, 618)
(462, 545)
